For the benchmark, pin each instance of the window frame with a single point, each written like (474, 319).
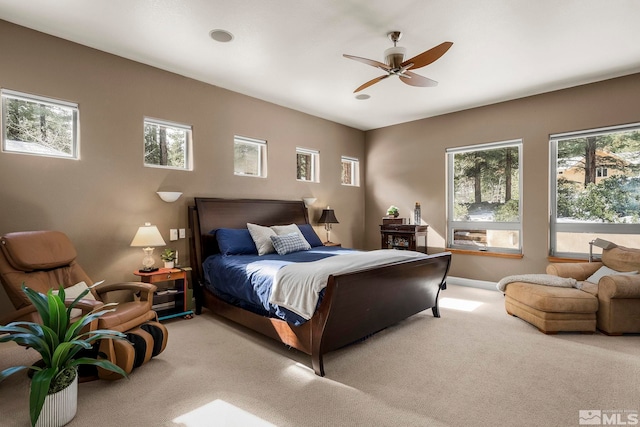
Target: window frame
(262, 155)
(453, 225)
(355, 170)
(188, 157)
(21, 96)
(588, 229)
(315, 164)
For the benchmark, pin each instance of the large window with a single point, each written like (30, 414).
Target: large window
(249, 157)
(595, 189)
(307, 165)
(350, 171)
(483, 197)
(41, 126)
(167, 145)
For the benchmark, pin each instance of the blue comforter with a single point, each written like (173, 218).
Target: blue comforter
(245, 280)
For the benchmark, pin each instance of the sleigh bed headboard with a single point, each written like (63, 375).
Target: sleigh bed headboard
(212, 213)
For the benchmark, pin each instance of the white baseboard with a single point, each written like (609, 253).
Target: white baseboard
(461, 281)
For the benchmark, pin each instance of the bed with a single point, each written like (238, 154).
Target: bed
(353, 306)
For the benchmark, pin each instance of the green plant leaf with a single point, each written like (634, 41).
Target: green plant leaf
(39, 388)
(102, 363)
(58, 319)
(39, 301)
(10, 371)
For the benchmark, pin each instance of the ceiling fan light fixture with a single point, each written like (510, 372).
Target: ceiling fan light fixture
(222, 36)
(362, 96)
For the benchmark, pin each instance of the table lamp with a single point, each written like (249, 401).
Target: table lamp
(327, 218)
(147, 237)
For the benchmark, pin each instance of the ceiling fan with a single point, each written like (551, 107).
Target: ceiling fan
(396, 66)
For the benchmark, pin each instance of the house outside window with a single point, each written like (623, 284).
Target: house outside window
(307, 165)
(249, 157)
(39, 126)
(595, 189)
(484, 187)
(350, 171)
(167, 144)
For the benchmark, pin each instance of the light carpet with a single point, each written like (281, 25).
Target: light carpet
(474, 366)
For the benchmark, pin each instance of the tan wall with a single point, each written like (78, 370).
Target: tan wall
(406, 163)
(100, 200)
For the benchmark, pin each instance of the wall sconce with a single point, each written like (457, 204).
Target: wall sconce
(169, 196)
(327, 218)
(308, 201)
(147, 237)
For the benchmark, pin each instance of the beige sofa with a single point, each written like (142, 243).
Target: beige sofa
(612, 305)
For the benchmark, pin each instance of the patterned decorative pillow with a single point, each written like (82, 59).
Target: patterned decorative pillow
(288, 243)
(288, 229)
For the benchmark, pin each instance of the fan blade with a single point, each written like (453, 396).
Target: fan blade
(426, 58)
(414, 79)
(371, 82)
(371, 62)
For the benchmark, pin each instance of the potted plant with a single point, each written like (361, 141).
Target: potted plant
(59, 342)
(393, 211)
(168, 256)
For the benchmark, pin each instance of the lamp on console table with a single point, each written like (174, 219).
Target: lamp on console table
(327, 218)
(147, 237)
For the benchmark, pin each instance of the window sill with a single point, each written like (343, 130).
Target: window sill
(555, 259)
(482, 253)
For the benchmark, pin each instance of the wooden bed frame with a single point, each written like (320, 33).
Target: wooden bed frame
(355, 305)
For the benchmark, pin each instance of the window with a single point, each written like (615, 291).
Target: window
(167, 145)
(350, 171)
(307, 165)
(41, 126)
(249, 157)
(483, 197)
(595, 189)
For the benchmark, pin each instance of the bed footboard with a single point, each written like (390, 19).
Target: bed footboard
(358, 304)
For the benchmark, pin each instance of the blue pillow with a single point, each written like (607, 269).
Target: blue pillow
(235, 241)
(288, 243)
(310, 235)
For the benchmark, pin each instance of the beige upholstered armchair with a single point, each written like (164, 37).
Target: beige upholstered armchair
(618, 294)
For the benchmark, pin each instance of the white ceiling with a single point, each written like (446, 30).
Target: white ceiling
(289, 52)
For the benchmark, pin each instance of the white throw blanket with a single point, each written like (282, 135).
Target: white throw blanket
(296, 286)
(538, 279)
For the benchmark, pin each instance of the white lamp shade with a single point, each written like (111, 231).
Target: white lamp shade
(148, 236)
(169, 196)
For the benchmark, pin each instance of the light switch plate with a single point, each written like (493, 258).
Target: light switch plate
(173, 234)
(182, 233)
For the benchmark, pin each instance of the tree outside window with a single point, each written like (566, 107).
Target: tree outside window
(249, 157)
(484, 197)
(307, 162)
(37, 125)
(167, 144)
(596, 190)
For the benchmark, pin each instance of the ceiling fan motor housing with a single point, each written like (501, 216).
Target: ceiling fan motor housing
(394, 56)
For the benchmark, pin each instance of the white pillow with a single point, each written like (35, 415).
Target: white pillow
(262, 238)
(281, 230)
(606, 271)
(73, 292)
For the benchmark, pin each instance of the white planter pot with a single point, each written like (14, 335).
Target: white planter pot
(60, 408)
(168, 264)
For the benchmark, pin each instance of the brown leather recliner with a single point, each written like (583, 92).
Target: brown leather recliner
(47, 259)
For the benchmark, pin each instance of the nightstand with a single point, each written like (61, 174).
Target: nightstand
(332, 244)
(170, 300)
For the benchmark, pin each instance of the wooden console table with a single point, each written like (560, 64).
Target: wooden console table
(403, 236)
